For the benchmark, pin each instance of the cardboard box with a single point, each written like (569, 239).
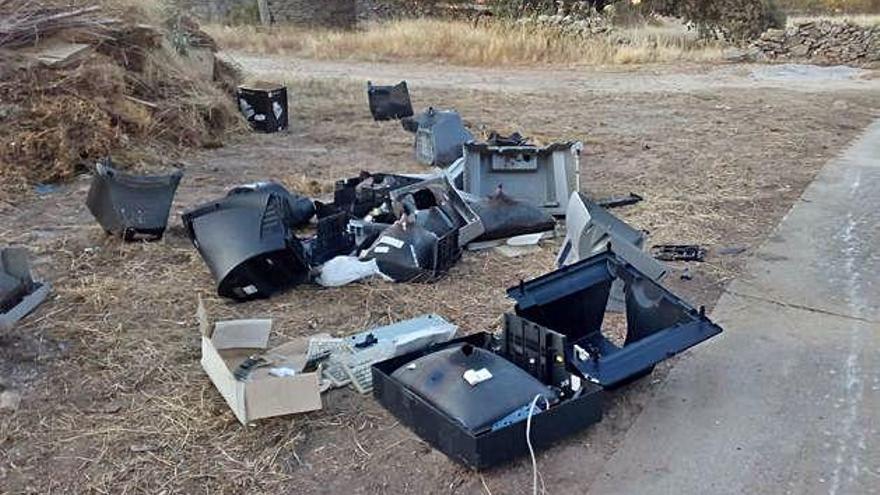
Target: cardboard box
(227, 344)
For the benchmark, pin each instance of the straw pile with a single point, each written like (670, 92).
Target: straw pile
(148, 81)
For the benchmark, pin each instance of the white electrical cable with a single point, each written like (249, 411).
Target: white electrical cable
(529, 440)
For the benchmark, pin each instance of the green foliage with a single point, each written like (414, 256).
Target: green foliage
(831, 6)
(734, 20)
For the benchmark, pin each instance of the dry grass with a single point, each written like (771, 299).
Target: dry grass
(114, 396)
(858, 19)
(135, 91)
(462, 43)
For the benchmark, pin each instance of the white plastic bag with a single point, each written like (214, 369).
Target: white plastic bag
(343, 270)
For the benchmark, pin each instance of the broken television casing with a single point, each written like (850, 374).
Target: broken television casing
(389, 102)
(589, 231)
(264, 106)
(439, 137)
(135, 207)
(555, 335)
(542, 176)
(20, 294)
(248, 244)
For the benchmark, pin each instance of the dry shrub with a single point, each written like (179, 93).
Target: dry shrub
(140, 89)
(498, 43)
(729, 19)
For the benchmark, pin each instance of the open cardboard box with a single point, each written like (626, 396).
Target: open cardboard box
(227, 344)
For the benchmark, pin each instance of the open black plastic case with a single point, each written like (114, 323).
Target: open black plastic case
(489, 448)
(556, 333)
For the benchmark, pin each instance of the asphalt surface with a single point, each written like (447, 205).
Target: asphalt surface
(787, 400)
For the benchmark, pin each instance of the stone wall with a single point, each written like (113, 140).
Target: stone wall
(822, 42)
(326, 13)
(212, 10)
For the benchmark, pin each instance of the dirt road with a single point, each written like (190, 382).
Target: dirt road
(113, 395)
(653, 79)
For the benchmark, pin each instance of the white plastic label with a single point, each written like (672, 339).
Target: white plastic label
(391, 241)
(474, 377)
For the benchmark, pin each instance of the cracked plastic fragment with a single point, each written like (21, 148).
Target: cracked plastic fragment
(248, 245)
(440, 135)
(438, 192)
(389, 102)
(409, 252)
(590, 229)
(300, 208)
(503, 217)
(572, 301)
(544, 177)
(134, 207)
(20, 294)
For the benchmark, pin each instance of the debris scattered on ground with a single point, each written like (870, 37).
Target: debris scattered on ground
(246, 240)
(348, 360)
(270, 382)
(343, 270)
(20, 294)
(474, 397)
(591, 230)
(543, 176)
(504, 217)
(134, 207)
(822, 42)
(731, 250)
(389, 102)
(510, 251)
(10, 400)
(679, 252)
(620, 201)
(440, 135)
(264, 105)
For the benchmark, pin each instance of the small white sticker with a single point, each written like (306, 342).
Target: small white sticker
(282, 372)
(474, 377)
(391, 241)
(381, 249)
(250, 290)
(259, 117)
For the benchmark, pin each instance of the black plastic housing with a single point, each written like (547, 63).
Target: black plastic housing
(134, 207)
(360, 195)
(265, 108)
(248, 245)
(572, 301)
(332, 238)
(300, 208)
(389, 102)
(490, 448)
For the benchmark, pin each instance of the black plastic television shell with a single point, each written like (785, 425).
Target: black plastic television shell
(135, 207)
(481, 451)
(572, 301)
(265, 108)
(439, 137)
(389, 102)
(301, 209)
(333, 237)
(248, 245)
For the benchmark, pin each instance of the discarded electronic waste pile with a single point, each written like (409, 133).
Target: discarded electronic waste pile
(482, 399)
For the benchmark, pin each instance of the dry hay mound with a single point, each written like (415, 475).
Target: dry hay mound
(147, 79)
(823, 42)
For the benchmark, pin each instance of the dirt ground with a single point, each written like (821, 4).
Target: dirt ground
(114, 399)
